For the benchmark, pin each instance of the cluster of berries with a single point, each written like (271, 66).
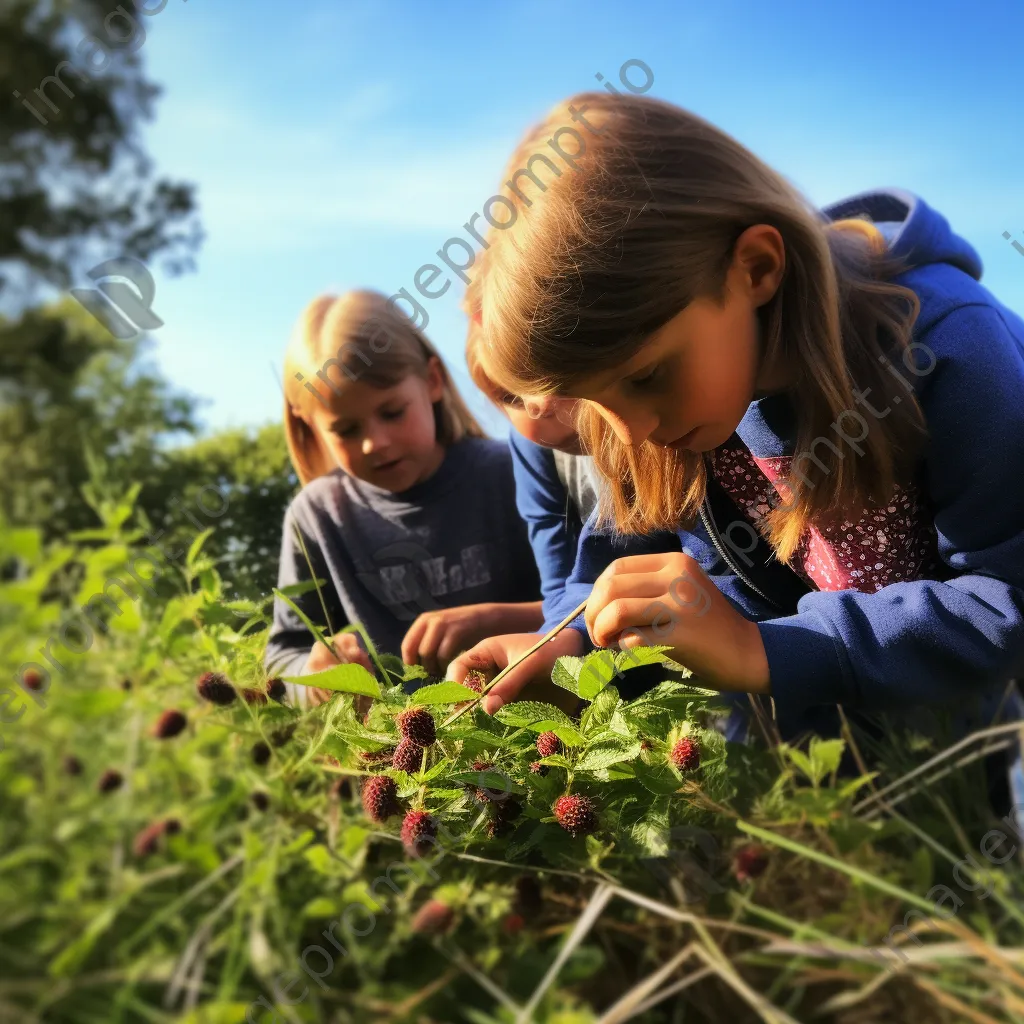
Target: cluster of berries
(216, 688)
(380, 794)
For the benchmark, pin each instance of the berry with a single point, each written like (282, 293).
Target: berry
(279, 737)
(538, 769)
(575, 814)
(408, 757)
(251, 696)
(475, 681)
(749, 862)
(504, 814)
(260, 800)
(380, 797)
(417, 724)
(276, 690)
(72, 766)
(169, 724)
(342, 788)
(433, 918)
(529, 899)
(513, 924)
(548, 744)
(110, 780)
(260, 753)
(214, 687)
(418, 831)
(686, 755)
(482, 793)
(32, 680)
(146, 841)
(126, 684)
(171, 826)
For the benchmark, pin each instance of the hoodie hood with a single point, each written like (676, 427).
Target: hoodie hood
(912, 229)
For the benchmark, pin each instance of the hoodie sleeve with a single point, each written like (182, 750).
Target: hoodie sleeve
(290, 642)
(543, 503)
(927, 641)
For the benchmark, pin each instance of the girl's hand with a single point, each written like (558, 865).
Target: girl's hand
(350, 652)
(529, 681)
(436, 637)
(668, 599)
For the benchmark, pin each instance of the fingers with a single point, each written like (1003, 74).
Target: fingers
(411, 642)
(625, 613)
(429, 645)
(649, 585)
(450, 645)
(648, 564)
(488, 656)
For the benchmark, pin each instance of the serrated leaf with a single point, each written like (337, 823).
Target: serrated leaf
(634, 657)
(443, 693)
(569, 736)
(600, 712)
(349, 678)
(660, 780)
(534, 715)
(607, 752)
(597, 672)
(566, 673)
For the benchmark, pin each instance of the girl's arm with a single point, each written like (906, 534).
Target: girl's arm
(928, 641)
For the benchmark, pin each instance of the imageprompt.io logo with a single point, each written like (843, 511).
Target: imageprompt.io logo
(123, 298)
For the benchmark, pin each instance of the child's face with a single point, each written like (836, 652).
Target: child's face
(690, 383)
(385, 436)
(545, 421)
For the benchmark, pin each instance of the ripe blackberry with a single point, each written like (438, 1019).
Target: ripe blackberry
(529, 899)
(686, 754)
(417, 724)
(408, 757)
(548, 744)
(252, 696)
(433, 918)
(276, 690)
(169, 724)
(575, 814)
(475, 680)
(279, 737)
(110, 780)
(260, 800)
(418, 831)
(214, 687)
(72, 766)
(513, 924)
(32, 680)
(260, 752)
(380, 797)
(749, 862)
(539, 769)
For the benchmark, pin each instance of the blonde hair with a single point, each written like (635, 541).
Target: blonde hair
(365, 339)
(590, 262)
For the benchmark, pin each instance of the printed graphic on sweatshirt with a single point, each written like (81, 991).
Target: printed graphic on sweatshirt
(409, 579)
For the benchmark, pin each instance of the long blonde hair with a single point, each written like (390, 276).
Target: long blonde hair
(357, 337)
(588, 262)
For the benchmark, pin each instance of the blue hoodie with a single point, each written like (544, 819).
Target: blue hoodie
(956, 641)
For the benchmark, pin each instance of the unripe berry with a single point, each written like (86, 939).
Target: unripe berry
(538, 769)
(548, 744)
(686, 754)
(475, 680)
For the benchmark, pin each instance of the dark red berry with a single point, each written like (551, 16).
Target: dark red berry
(475, 681)
(260, 800)
(32, 679)
(169, 724)
(513, 924)
(418, 831)
(749, 862)
(260, 752)
(126, 684)
(686, 755)
(147, 841)
(171, 826)
(110, 780)
(538, 769)
(548, 744)
(408, 757)
(417, 724)
(380, 797)
(433, 918)
(279, 737)
(276, 690)
(72, 766)
(251, 696)
(575, 814)
(529, 899)
(215, 687)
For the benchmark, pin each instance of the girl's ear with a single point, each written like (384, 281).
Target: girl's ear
(435, 379)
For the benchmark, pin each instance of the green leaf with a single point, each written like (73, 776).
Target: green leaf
(825, 756)
(196, 546)
(597, 672)
(606, 752)
(634, 657)
(306, 621)
(320, 906)
(343, 678)
(534, 715)
(656, 779)
(569, 736)
(566, 673)
(443, 693)
(600, 712)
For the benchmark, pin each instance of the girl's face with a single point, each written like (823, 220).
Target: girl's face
(385, 436)
(545, 420)
(689, 385)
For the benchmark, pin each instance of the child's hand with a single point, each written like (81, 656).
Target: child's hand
(350, 652)
(668, 599)
(529, 681)
(436, 637)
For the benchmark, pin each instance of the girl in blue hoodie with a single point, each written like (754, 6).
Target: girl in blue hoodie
(807, 423)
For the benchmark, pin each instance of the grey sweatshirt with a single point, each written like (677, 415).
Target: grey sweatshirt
(452, 540)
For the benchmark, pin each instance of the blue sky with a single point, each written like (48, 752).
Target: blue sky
(339, 143)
